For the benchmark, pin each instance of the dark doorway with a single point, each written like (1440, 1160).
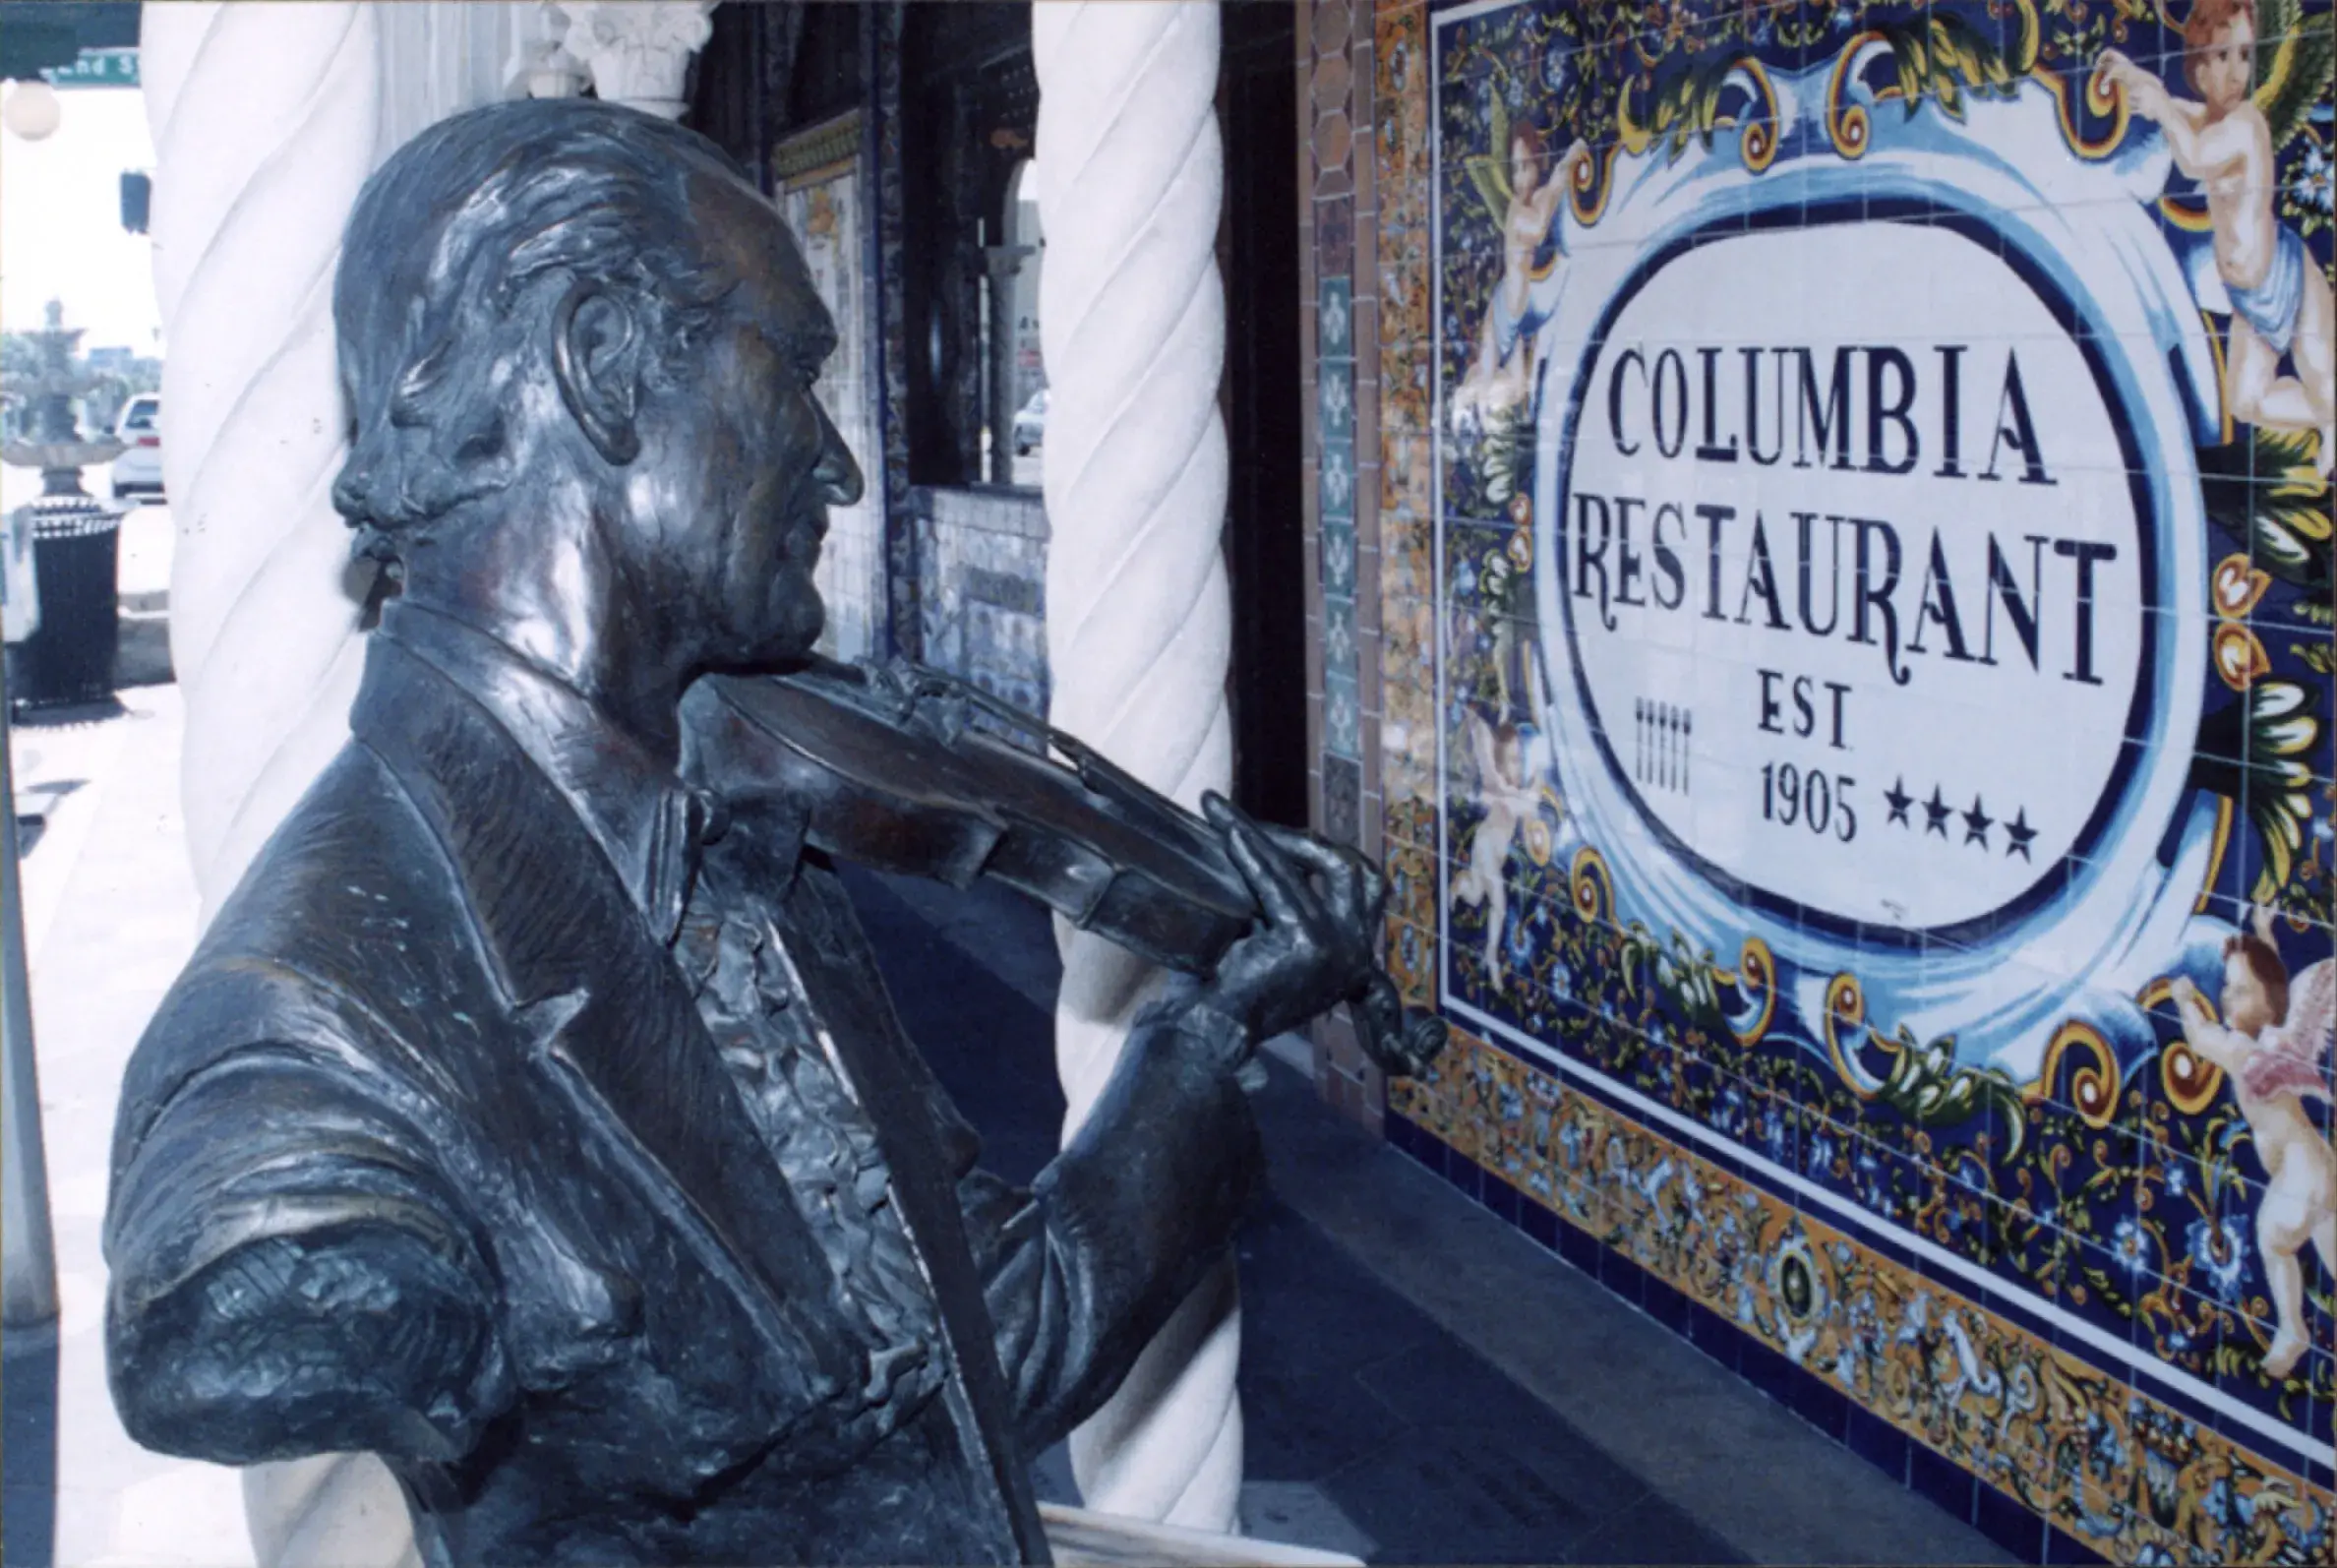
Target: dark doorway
(1265, 532)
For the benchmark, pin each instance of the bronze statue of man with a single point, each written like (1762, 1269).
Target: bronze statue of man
(532, 1119)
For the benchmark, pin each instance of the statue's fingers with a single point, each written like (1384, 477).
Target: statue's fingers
(1351, 881)
(1254, 858)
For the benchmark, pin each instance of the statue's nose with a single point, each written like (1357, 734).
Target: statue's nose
(838, 474)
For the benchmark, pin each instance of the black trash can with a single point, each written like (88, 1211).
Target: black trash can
(69, 658)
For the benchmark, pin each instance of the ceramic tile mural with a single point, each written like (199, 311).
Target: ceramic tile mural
(981, 596)
(1864, 778)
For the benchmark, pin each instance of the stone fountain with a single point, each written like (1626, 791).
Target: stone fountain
(70, 657)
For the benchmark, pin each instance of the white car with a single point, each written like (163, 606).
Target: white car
(140, 469)
(1029, 425)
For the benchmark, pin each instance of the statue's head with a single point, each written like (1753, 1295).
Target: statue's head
(577, 346)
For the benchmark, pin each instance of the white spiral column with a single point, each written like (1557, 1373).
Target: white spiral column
(1132, 322)
(266, 122)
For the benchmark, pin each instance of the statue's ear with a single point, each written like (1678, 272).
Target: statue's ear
(597, 344)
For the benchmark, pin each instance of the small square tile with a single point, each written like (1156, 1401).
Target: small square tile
(1335, 479)
(1334, 401)
(1878, 1442)
(1335, 318)
(1715, 1335)
(1338, 550)
(1818, 1401)
(1465, 1174)
(1769, 1370)
(1539, 1224)
(1338, 634)
(1942, 1479)
(1341, 817)
(1665, 1305)
(2008, 1523)
(1579, 1247)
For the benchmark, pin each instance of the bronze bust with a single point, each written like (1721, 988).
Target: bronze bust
(529, 1115)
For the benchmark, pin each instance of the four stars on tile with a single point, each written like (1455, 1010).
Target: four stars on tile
(1977, 822)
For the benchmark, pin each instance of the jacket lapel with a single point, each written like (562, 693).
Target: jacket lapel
(838, 974)
(605, 1012)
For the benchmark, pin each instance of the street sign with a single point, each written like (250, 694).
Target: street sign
(97, 67)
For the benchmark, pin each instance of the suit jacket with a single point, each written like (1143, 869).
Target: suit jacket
(429, 1152)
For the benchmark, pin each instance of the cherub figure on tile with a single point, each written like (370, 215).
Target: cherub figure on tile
(2227, 140)
(2273, 1044)
(1524, 196)
(1513, 759)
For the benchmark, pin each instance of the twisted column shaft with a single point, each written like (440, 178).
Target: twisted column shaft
(1132, 323)
(265, 123)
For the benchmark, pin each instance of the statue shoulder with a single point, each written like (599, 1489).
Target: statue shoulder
(346, 949)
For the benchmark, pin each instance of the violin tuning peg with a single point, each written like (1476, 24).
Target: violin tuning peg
(1400, 1040)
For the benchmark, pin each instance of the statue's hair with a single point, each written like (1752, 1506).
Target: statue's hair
(446, 248)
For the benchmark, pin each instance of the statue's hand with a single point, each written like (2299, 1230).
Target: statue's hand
(1317, 941)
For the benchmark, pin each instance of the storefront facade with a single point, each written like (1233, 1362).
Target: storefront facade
(1824, 602)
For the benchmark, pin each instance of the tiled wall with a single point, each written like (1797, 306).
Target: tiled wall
(1337, 181)
(982, 557)
(1852, 659)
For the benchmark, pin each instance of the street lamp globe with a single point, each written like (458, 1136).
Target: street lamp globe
(32, 110)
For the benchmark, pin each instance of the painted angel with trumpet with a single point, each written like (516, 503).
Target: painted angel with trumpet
(2273, 1044)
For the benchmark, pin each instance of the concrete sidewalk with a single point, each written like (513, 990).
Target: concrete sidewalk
(111, 913)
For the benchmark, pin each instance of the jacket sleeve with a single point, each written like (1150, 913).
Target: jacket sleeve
(291, 1274)
(1082, 1270)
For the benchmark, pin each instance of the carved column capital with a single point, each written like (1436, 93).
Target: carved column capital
(540, 65)
(638, 53)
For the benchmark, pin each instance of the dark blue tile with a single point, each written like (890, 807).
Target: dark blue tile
(1665, 1305)
(1819, 1401)
(1538, 1224)
(1715, 1335)
(1400, 1133)
(1878, 1442)
(1579, 1247)
(1768, 1370)
(1942, 1479)
(2010, 1524)
(2069, 1549)
(1465, 1174)
(1502, 1199)
(1622, 1275)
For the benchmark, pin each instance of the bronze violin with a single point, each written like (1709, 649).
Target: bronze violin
(909, 770)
